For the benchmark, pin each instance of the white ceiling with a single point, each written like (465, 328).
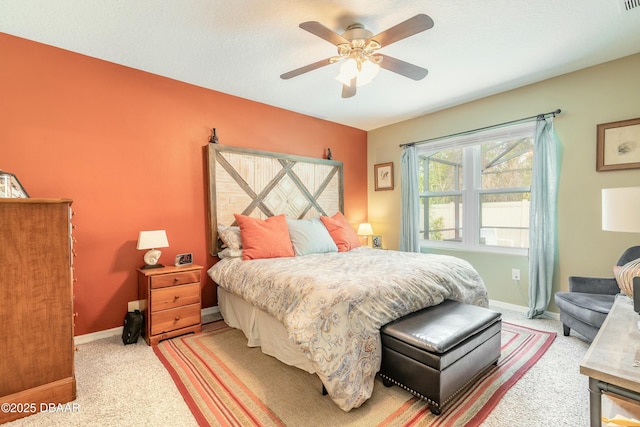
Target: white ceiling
(240, 47)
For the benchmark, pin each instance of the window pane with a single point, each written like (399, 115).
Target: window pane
(497, 164)
(444, 171)
(504, 219)
(507, 164)
(442, 219)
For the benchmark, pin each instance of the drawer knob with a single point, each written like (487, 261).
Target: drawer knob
(176, 298)
(176, 280)
(177, 318)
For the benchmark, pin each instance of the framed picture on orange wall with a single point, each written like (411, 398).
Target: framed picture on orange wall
(383, 175)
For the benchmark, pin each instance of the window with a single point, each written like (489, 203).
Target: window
(475, 189)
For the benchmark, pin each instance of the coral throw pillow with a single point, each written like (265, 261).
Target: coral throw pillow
(341, 232)
(264, 238)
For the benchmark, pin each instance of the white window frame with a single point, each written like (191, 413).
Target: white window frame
(472, 175)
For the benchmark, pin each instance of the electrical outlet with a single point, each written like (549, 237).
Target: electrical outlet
(515, 274)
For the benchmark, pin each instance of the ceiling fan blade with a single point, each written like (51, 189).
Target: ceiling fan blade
(323, 32)
(306, 69)
(349, 90)
(404, 29)
(403, 68)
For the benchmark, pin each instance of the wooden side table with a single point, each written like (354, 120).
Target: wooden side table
(610, 360)
(172, 296)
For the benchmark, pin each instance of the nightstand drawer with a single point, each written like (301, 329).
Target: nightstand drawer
(175, 318)
(175, 296)
(179, 278)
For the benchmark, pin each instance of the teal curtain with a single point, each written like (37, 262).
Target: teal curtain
(410, 215)
(543, 215)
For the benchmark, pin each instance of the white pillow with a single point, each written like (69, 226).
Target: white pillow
(230, 253)
(625, 274)
(230, 236)
(310, 236)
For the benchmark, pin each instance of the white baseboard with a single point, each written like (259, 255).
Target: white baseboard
(521, 309)
(210, 310)
(108, 333)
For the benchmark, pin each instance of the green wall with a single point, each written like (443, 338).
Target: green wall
(605, 93)
(495, 270)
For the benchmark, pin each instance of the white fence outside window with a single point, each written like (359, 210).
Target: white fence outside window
(513, 218)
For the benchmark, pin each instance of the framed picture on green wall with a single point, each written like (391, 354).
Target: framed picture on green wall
(383, 175)
(618, 145)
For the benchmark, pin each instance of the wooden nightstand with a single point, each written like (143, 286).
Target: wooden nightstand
(172, 296)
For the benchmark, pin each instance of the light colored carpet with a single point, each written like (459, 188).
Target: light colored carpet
(127, 385)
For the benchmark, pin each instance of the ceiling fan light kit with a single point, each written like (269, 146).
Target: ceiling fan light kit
(364, 72)
(357, 49)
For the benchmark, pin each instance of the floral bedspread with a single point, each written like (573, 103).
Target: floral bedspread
(333, 304)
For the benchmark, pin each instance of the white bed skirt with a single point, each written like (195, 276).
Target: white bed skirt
(261, 329)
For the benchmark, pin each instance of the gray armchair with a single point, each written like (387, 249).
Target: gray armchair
(589, 300)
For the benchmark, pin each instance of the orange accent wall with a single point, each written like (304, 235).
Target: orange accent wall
(127, 147)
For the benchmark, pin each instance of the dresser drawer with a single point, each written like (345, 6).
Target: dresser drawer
(178, 278)
(175, 318)
(175, 296)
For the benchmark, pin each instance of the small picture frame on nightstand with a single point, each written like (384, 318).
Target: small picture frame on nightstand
(376, 242)
(184, 259)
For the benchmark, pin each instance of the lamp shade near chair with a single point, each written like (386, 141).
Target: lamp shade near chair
(152, 240)
(621, 212)
(621, 209)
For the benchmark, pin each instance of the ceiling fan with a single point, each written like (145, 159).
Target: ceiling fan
(358, 48)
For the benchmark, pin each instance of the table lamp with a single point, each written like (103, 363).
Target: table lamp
(152, 240)
(365, 230)
(621, 212)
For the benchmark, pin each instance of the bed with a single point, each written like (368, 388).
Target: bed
(320, 311)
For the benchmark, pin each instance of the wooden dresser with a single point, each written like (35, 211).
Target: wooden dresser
(36, 306)
(172, 296)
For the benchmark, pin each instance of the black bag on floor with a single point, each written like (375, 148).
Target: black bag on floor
(133, 323)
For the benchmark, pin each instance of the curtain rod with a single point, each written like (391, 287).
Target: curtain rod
(539, 116)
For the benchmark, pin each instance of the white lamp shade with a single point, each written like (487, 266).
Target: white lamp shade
(365, 229)
(152, 239)
(621, 209)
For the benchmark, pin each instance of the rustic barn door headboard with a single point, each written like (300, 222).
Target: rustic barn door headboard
(262, 184)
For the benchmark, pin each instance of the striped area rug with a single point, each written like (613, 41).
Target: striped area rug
(226, 383)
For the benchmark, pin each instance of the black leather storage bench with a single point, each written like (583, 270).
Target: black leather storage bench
(437, 352)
